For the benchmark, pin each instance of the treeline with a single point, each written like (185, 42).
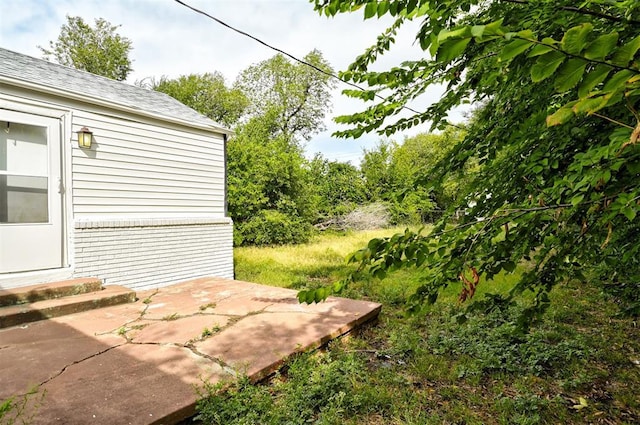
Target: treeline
(275, 194)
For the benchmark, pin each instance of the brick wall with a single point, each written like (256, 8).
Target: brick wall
(150, 253)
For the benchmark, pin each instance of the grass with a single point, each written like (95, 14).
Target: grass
(575, 366)
(296, 266)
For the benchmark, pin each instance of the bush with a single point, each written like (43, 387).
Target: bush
(413, 207)
(271, 227)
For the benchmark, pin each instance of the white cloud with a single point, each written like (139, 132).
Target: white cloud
(169, 39)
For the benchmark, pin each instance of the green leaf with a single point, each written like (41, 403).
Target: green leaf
(462, 32)
(575, 39)
(509, 266)
(380, 273)
(494, 28)
(337, 287)
(515, 48)
(302, 297)
(600, 48)
(319, 295)
(539, 49)
(370, 10)
(546, 65)
(452, 49)
(570, 74)
(625, 54)
(589, 105)
(613, 98)
(618, 81)
(592, 79)
(628, 212)
(383, 7)
(561, 116)
(575, 201)
(477, 30)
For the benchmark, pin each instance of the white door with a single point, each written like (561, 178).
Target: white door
(30, 193)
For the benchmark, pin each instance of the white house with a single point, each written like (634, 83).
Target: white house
(143, 206)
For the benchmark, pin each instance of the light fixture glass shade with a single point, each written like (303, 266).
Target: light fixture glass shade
(84, 138)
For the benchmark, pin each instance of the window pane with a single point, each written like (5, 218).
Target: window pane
(23, 149)
(24, 199)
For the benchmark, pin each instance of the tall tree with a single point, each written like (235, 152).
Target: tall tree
(206, 93)
(297, 94)
(271, 198)
(99, 50)
(557, 135)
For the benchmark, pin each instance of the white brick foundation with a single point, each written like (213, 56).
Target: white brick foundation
(147, 253)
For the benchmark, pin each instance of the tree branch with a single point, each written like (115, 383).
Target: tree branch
(604, 117)
(298, 108)
(584, 11)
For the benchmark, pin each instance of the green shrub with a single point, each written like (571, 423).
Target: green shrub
(271, 227)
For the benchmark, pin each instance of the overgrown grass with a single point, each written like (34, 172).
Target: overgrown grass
(576, 365)
(295, 266)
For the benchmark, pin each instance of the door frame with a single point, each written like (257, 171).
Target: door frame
(64, 116)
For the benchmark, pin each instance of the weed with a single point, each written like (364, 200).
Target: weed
(147, 300)
(206, 306)
(21, 409)
(138, 327)
(170, 317)
(491, 343)
(315, 388)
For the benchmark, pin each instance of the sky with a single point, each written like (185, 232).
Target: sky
(171, 40)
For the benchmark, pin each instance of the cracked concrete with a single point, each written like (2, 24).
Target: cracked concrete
(141, 363)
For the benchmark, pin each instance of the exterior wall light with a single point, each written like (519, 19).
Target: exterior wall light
(84, 138)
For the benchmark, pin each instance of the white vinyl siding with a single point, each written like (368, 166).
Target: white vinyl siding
(137, 169)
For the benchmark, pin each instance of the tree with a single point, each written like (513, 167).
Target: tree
(271, 198)
(414, 163)
(396, 172)
(206, 93)
(375, 169)
(298, 95)
(339, 186)
(556, 134)
(99, 50)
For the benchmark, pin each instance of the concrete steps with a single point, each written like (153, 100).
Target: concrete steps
(44, 301)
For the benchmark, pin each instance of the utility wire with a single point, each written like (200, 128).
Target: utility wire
(322, 71)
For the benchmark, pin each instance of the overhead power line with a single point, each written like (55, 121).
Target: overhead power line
(302, 61)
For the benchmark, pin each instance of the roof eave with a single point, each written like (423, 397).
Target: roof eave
(110, 104)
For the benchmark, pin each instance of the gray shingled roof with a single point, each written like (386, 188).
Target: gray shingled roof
(50, 75)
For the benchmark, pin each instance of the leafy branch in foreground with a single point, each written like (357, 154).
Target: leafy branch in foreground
(556, 135)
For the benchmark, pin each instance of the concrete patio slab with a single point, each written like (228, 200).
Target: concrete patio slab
(141, 363)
